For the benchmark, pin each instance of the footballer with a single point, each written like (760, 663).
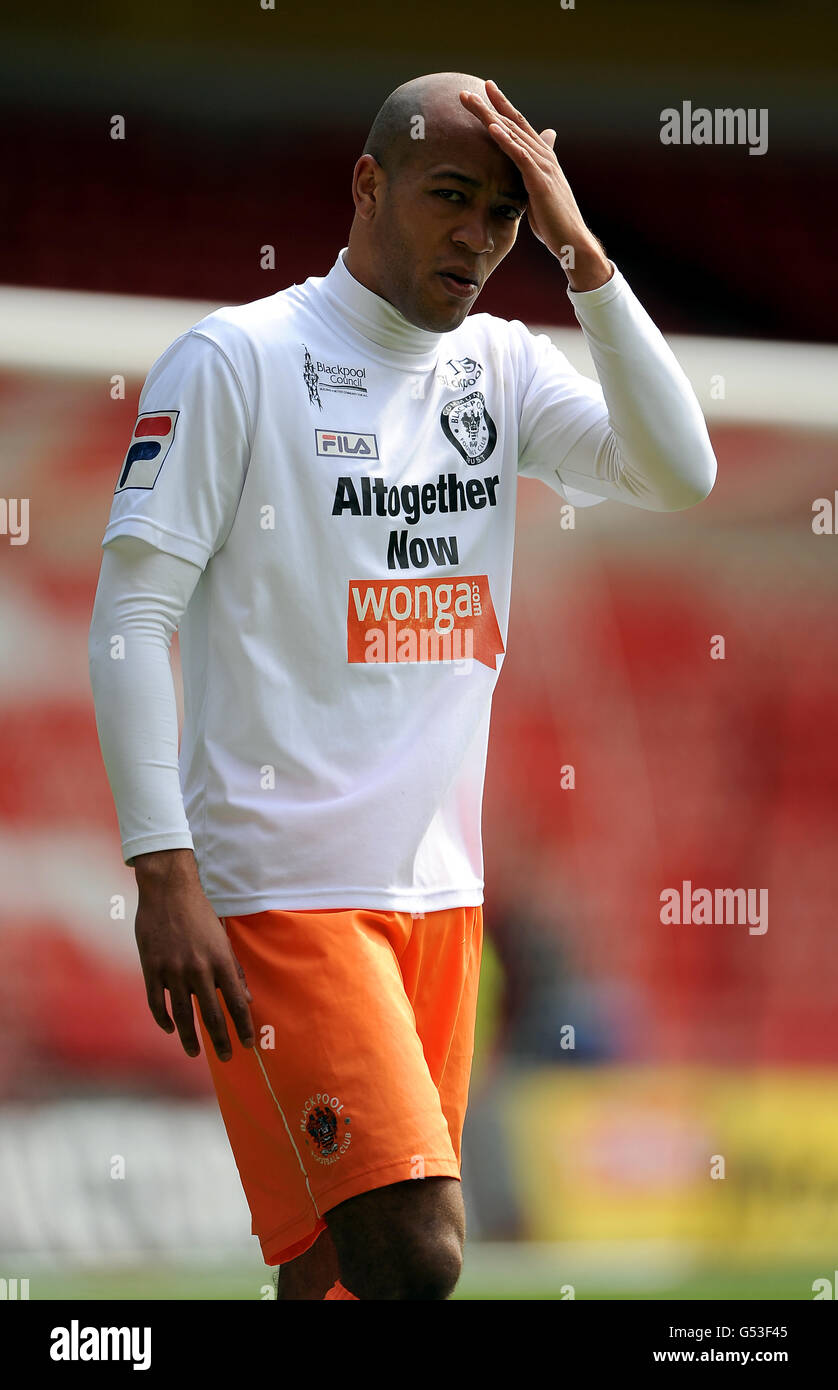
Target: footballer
(319, 495)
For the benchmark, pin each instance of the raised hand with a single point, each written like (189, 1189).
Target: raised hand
(552, 210)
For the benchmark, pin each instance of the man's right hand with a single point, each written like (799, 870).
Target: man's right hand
(184, 949)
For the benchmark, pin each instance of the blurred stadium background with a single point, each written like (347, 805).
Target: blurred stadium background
(587, 1168)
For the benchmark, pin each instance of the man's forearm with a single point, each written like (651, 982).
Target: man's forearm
(654, 450)
(138, 604)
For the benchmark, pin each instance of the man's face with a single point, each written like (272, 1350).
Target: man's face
(444, 220)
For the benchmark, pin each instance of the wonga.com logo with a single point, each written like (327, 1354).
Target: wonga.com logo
(422, 620)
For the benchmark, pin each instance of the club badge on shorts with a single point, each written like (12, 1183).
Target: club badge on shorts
(470, 427)
(324, 1127)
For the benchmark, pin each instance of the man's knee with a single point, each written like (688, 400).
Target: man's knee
(431, 1268)
(405, 1263)
(401, 1242)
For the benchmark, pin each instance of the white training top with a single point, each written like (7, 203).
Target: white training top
(340, 488)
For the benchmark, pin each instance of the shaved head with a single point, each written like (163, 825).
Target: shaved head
(437, 202)
(396, 135)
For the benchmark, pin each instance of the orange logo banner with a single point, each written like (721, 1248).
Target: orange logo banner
(422, 620)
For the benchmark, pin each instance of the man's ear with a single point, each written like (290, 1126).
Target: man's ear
(368, 179)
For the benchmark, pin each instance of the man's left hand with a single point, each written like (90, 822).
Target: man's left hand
(552, 210)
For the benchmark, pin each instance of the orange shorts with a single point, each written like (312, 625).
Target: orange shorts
(364, 1039)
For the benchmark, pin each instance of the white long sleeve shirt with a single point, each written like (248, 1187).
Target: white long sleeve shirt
(326, 497)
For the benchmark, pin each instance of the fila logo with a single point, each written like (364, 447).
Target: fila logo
(151, 441)
(334, 444)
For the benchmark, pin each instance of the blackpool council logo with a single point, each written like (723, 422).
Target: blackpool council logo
(331, 376)
(470, 427)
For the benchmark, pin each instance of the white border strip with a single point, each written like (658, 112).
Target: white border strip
(102, 335)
